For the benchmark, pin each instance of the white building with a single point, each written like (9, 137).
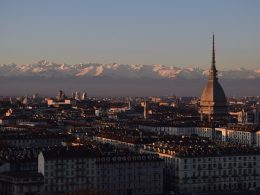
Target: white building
(242, 134)
(249, 117)
(62, 102)
(257, 136)
(178, 130)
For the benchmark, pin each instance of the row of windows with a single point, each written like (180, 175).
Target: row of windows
(69, 180)
(126, 164)
(72, 160)
(113, 190)
(220, 187)
(69, 166)
(229, 173)
(194, 160)
(220, 166)
(66, 173)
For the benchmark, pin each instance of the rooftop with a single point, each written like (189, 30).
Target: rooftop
(193, 146)
(71, 152)
(242, 127)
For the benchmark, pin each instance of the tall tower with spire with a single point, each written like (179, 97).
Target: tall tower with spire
(213, 103)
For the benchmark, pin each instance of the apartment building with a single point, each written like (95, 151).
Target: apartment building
(87, 171)
(194, 164)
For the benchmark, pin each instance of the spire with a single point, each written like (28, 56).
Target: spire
(213, 70)
(213, 62)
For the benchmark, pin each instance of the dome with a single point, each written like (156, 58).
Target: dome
(213, 95)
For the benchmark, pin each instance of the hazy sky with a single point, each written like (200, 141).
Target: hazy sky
(166, 32)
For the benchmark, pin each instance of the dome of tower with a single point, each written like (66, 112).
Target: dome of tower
(213, 94)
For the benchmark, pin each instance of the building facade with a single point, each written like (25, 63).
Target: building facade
(13, 183)
(197, 165)
(87, 172)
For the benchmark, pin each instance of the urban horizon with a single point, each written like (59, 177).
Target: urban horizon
(179, 114)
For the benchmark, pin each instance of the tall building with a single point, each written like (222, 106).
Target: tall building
(213, 103)
(77, 95)
(84, 96)
(61, 95)
(145, 109)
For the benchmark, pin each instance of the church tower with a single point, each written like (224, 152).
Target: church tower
(213, 103)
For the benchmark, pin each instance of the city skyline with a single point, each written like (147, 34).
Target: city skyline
(171, 33)
(129, 98)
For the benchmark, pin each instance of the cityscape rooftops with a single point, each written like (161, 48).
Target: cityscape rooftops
(193, 146)
(169, 123)
(127, 136)
(29, 135)
(71, 152)
(12, 154)
(244, 127)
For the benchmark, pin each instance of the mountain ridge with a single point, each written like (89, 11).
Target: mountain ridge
(48, 69)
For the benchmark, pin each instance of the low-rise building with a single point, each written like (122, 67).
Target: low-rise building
(238, 133)
(178, 129)
(85, 170)
(34, 140)
(200, 165)
(130, 174)
(249, 116)
(21, 183)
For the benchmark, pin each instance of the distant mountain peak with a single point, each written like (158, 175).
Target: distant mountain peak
(45, 68)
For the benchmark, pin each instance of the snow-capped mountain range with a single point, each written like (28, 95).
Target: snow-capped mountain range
(49, 69)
